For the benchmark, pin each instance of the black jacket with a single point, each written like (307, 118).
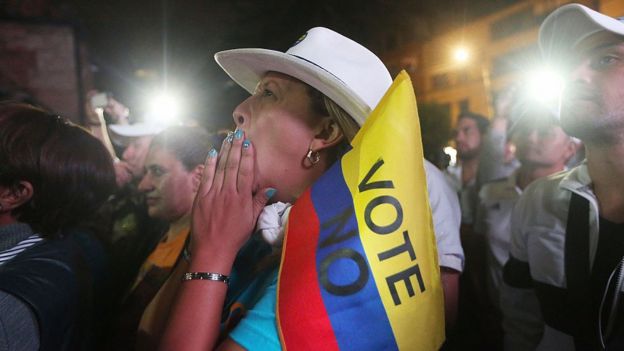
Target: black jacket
(61, 280)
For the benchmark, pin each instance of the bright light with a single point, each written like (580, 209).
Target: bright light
(544, 85)
(452, 153)
(461, 54)
(164, 108)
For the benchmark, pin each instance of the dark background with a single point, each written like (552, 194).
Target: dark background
(137, 46)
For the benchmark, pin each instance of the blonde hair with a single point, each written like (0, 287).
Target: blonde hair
(347, 124)
(325, 106)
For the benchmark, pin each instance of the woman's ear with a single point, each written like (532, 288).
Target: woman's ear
(197, 175)
(12, 197)
(328, 134)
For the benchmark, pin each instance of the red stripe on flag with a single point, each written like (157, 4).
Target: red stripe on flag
(299, 299)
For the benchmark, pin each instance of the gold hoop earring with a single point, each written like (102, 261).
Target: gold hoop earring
(313, 156)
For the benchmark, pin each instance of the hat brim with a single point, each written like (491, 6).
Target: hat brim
(135, 130)
(247, 66)
(567, 26)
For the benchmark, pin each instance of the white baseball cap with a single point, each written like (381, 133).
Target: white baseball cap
(567, 26)
(122, 134)
(136, 130)
(343, 70)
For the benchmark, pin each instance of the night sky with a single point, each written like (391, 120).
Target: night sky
(175, 40)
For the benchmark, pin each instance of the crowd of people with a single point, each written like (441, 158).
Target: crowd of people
(176, 245)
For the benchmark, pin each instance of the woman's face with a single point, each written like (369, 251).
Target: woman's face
(279, 121)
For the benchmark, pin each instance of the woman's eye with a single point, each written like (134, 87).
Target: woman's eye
(157, 172)
(267, 92)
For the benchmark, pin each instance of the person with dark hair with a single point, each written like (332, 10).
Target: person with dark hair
(481, 122)
(53, 177)
(462, 176)
(173, 169)
(468, 135)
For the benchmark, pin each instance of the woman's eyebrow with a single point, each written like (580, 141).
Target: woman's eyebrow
(269, 83)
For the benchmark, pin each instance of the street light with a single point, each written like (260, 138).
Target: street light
(462, 56)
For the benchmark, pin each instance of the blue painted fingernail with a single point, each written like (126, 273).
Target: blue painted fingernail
(270, 192)
(229, 137)
(212, 153)
(238, 134)
(246, 144)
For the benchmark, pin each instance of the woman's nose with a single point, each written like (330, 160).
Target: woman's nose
(145, 184)
(242, 113)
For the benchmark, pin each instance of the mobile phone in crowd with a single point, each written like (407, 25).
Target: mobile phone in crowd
(99, 100)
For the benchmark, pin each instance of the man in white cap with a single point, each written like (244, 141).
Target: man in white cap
(564, 277)
(542, 148)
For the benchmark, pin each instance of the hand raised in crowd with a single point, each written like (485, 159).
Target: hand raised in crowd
(123, 175)
(117, 111)
(94, 116)
(503, 109)
(96, 124)
(226, 208)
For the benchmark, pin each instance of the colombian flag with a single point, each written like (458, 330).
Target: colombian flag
(359, 267)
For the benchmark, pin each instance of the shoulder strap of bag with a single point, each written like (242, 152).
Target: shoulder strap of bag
(577, 271)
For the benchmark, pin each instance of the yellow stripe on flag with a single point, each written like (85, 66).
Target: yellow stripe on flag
(385, 173)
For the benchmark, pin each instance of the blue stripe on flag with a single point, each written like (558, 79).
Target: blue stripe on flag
(357, 314)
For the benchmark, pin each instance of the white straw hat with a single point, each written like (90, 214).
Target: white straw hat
(343, 70)
(567, 26)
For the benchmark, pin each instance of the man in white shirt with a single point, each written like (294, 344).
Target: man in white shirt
(542, 148)
(567, 229)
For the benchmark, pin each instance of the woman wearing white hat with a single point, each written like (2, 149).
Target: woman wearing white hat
(306, 105)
